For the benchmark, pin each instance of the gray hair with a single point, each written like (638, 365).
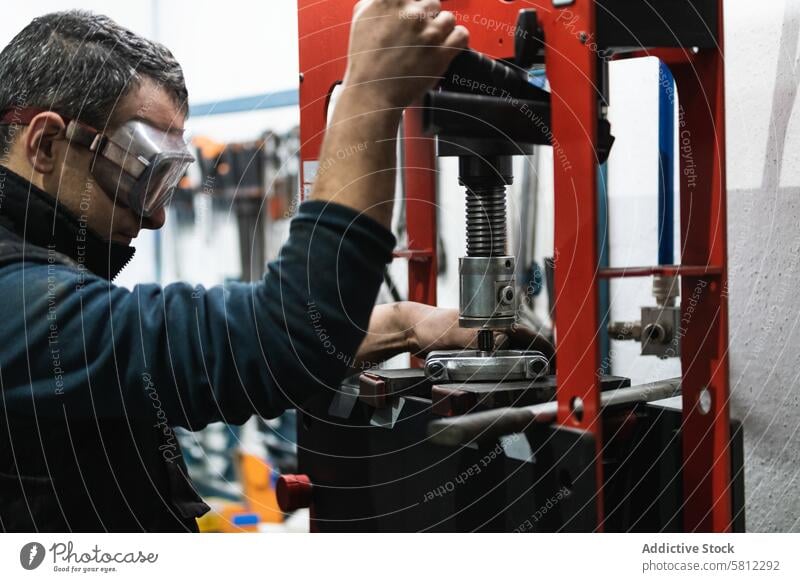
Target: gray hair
(80, 64)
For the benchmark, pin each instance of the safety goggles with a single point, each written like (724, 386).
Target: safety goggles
(136, 164)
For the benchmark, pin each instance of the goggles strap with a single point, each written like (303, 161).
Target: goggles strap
(82, 135)
(20, 115)
(75, 132)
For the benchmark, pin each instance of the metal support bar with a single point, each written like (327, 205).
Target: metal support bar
(665, 270)
(492, 424)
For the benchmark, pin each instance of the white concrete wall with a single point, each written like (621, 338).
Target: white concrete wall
(764, 252)
(240, 48)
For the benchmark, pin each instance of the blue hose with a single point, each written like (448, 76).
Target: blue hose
(666, 166)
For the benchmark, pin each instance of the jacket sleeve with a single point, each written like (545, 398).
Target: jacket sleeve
(193, 355)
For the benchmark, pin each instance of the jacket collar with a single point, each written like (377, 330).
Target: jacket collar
(35, 216)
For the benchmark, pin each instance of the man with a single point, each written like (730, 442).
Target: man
(93, 377)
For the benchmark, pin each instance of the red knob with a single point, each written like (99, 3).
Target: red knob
(293, 492)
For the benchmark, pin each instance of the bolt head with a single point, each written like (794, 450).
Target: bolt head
(704, 401)
(435, 370)
(507, 295)
(536, 368)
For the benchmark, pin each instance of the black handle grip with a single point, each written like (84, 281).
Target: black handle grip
(474, 72)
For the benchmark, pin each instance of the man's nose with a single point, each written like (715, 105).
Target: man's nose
(156, 220)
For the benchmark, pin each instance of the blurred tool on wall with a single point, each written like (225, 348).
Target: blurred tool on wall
(251, 177)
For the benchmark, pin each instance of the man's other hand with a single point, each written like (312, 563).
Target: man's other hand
(436, 328)
(397, 328)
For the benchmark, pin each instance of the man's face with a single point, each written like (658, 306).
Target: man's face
(79, 192)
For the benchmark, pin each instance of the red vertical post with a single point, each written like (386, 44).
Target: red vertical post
(704, 319)
(420, 199)
(572, 72)
(323, 41)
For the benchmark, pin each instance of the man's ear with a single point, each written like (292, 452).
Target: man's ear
(44, 131)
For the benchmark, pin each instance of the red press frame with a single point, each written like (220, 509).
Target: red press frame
(571, 70)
